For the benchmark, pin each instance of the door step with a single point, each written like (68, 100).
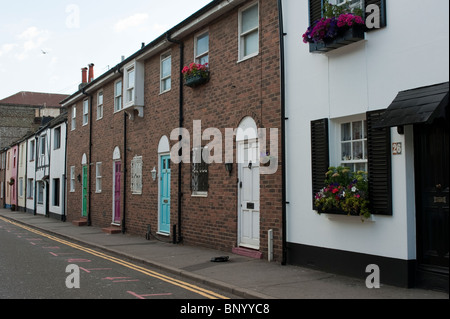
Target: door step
(247, 252)
(112, 230)
(81, 222)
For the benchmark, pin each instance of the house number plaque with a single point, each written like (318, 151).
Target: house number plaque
(396, 148)
(440, 200)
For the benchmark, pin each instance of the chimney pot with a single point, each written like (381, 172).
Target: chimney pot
(84, 75)
(91, 72)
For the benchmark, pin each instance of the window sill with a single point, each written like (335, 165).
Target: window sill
(248, 57)
(199, 194)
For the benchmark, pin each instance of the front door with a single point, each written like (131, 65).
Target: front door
(85, 189)
(432, 195)
(248, 205)
(117, 177)
(164, 194)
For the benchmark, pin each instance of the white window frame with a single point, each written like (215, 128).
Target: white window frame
(243, 35)
(99, 105)
(353, 3)
(130, 88)
(163, 79)
(21, 188)
(40, 193)
(32, 151)
(118, 97)
(98, 177)
(136, 175)
(30, 188)
(74, 118)
(85, 112)
(199, 56)
(72, 179)
(57, 138)
(42, 148)
(336, 145)
(200, 158)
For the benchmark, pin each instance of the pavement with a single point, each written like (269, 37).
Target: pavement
(243, 276)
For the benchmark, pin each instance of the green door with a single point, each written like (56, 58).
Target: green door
(84, 209)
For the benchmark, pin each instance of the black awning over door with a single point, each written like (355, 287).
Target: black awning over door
(421, 105)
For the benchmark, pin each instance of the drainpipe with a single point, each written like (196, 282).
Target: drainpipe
(181, 122)
(124, 170)
(91, 100)
(283, 132)
(35, 172)
(64, 200)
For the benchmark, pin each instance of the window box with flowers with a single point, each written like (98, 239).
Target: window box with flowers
(196, 74)
(339, 27)
(345, 193)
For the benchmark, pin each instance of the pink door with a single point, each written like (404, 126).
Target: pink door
(117, 176)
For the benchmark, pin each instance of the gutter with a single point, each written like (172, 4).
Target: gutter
(283, 132)
(181, 122)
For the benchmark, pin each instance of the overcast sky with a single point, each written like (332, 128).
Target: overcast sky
(44, 44)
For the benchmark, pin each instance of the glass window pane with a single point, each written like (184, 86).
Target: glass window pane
(119, 88)
(251, 43)
(345, 132)
(357, 130)
(202, 44)
(357, 150)
(204, 59)
(131, 78)
(365, 150)
(346, 151)
(360, 167)
(250, 19)
(166, 84)
(166, 67)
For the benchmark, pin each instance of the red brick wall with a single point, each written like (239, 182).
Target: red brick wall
(236, 90)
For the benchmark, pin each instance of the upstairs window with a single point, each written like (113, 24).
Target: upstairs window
(118, 96)
(32, 151)
(133, 84)
(131, 80)
(166, 72)
(202, 48)
(358, 6)
(57, 138)
(74, 118)
(85, 112)
(100, 105)
(249, 31)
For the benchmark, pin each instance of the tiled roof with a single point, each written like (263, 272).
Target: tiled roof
(34, 99)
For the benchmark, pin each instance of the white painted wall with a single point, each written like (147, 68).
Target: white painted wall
(42, 171)
(412, 51)
(57, 168)
(31, 173)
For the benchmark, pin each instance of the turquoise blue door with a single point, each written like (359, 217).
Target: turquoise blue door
(164, 193)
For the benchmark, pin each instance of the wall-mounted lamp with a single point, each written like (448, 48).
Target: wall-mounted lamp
(229, 167)
(154, 173)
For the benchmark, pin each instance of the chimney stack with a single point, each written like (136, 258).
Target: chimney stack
(91, 72)
(84, 75)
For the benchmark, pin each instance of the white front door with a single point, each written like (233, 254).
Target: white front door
(248, 205)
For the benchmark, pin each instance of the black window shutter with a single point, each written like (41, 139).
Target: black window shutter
(382, 5)
(380, 180)
(315, 10)
(320, 158)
